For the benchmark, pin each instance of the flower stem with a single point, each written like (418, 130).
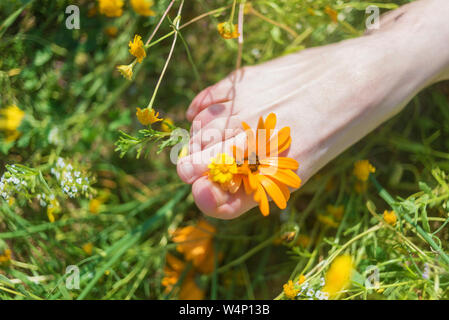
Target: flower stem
(176, 26)
(160, 22)
(399, 211)
(280, 25)
(231, 18)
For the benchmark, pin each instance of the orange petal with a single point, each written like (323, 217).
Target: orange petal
(260, 126)
(174, 262)
(281, 162)
(251, 142)
(238, 154)
(235, 183)
(285, 146)
(245, 126)
(270, 122)
(252, 181)
(279, 140)
(256, 196)
(246, 185)
(285, 176)
(284, 189)
(273, 191)
(263, 201)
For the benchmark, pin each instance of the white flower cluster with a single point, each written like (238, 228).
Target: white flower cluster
(11, 184)
(311, 293)
(45, 200)
(71, 180)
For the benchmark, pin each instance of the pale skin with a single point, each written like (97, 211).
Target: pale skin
(330, 96)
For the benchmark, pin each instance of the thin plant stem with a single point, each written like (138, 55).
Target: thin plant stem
(280, 25)
(176, 26)
(231, 18)
(240, 40)
(160, 22)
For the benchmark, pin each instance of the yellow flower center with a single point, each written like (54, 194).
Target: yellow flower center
(222, 168)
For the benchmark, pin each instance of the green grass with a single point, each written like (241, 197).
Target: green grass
(68, 88)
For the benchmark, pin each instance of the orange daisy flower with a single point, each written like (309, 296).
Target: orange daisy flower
(195, 242)
(173, 270)
(261, 168)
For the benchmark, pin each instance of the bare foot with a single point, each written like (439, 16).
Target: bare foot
(329, 96)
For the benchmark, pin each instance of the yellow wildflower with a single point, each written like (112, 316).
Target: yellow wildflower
(14, 72)
(390, 217)
(331, 13)
(111, 8)
(336, 211)
(94, 205)
(111, 31)
(222, 168)
(126, 70)
(10, 119)
(166, 126)
(338, 277)
(147, 116)
(196, 244)
(289, 290)
(52, 209)
(362, 169)
(301, 280)
(324, 219)
(5, 256)
(88, 248)
(228, 30)
(136, 48)
(143, 7)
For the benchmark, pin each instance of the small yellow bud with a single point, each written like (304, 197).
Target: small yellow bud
(147, 116)
(390, 217)
(228, 30)
(126, 70)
